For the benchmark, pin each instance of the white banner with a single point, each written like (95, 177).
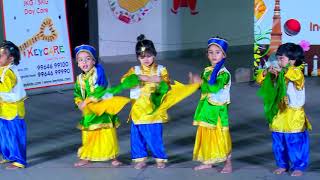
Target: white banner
(39, 28)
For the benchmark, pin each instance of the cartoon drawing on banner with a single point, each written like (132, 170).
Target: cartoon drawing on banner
(131, 11)
(261, 50)
(292, 27)
(47, 24)
(185, 3)
(260, 9)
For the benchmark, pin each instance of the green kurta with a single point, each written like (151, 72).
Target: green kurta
(85, 88)
(207, 112)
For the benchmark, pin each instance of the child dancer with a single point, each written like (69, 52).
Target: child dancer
(99, 108)
(151, 99)
(12, 95)
(213, 141)
(283, 93)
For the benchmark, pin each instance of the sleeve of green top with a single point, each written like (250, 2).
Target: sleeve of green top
(77, 91)
(222, 80)
(98, 92)
(127, 83)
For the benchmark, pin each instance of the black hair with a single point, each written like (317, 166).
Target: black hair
(12, 50)
(292, 51)
(147, 44)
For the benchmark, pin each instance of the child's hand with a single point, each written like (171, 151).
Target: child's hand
(264, 72)
(144, 78)
(81, 105)
(154, 79)
(197, 79)
(277, 69)
(194, 78)
(273, 70)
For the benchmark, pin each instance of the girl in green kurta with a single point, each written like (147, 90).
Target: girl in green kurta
(99, 109)
(213, 141)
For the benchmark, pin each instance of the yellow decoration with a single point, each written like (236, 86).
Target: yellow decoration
(259, 8)
(46, 23)
(132, 5)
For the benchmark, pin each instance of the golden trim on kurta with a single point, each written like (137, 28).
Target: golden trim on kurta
(260, 77)
(208, 125)
(211, 161)
(99, 126)
(98, 159)
(149, 121)
(285, 100)
(77, 100)
(92, 77)
(287, 131)
(92, 99)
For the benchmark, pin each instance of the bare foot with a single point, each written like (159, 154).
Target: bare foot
(140, 165)
(227, 168)
(279, 171)
(161, 165)
(3, 161)
(297, 173)
(12, 167)
(81, 163)
(202, 166)
(116, 163)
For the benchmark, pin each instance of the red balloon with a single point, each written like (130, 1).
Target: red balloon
(292, 27)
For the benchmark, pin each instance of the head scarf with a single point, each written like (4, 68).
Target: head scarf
(223, 45)
(101, 77)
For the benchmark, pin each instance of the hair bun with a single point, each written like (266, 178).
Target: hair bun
(141, 37)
